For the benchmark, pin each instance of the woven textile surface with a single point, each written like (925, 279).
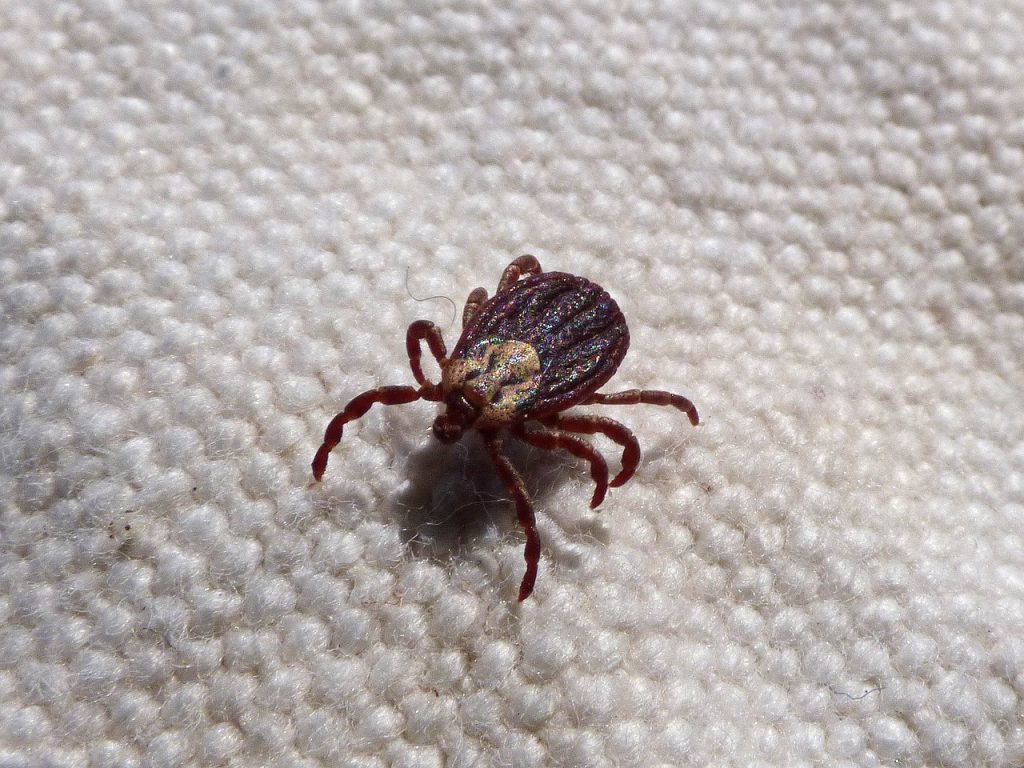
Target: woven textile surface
(217, 220)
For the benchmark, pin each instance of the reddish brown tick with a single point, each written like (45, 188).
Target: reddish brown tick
(546, 341)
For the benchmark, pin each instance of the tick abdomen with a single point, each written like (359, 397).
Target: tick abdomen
(573, 325)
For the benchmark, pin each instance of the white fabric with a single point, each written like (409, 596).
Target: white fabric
(217, 220)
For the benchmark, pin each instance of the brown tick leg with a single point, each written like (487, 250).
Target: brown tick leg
(648, 396)
(477, 297)
(356, 408)
(419, 330)
(613, 430)
(524, 509)
(524, 265)
(581, 449)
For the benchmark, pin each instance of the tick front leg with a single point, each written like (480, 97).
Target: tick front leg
(419, 330)
(524, 265)
(477, 297)
(581, 449)
(648, 396)
(613, 430)
(356, 408)
(524, 509)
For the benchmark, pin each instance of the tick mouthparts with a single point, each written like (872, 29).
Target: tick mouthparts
(448, 429)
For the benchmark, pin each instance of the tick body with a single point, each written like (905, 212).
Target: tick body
(545, 342)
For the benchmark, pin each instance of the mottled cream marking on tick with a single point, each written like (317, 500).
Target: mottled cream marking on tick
(498, 380)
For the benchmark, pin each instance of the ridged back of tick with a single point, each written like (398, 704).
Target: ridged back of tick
(577, 329)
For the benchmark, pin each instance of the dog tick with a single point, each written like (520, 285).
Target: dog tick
(545, 342)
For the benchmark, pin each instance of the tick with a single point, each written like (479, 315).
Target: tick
(545, 342)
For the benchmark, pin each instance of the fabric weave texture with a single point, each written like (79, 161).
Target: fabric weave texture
(217, 220)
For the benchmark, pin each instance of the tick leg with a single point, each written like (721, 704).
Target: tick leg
(581, 449)
(648, 396)
(524, 265)
(613, 430)
(524, 509)
(356, 408)
(477, 297)
(419, 330)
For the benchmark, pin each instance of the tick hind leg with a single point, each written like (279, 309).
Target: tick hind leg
(476, 297)
(648, 396)
(356, 408)
(524, 510)
(581, 449)
(524, 265)
(613, 430)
